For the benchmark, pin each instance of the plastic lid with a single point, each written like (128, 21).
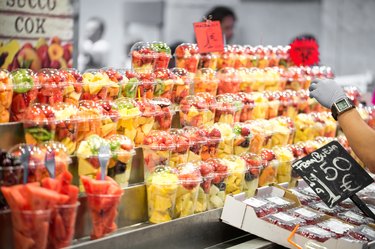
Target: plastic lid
(6, 81)
(88, 110)
(206, 74)
(186, 50)
(336, 226)
(164, 74)
(142, 49)
(161, 47)
(39, 113)
(148, 108)
(49, 77)
(59, 149)
(235, 163)
(65, 111)
(253, 160)
(162, 175)
(206, 169)
(228, 102)
(120, 145)
(195, 135)
(181, 141)
(189, 173)
(212, 133)
(24, 80)
(193, 101)
(315, 233)
(183, 76)
(159, 140)
(162, 102)
(37, 155)
(210, 100)
(127, 107)
(108, 109)
(71, 75)
(228, 75)
(90, 146)
(246, 98)
(219, 165)
(115, 75)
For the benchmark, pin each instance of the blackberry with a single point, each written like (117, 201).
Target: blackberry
(246, 143)
(249, 177)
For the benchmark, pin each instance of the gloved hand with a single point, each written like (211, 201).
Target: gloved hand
(326, 92)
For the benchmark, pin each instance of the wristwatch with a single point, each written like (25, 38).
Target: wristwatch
(341, 106)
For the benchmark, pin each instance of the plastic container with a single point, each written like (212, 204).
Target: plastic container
(194, 111)
(258, 136)
(242, 138)
(6, 94)
(187, 192)
(261, 54)
(261, 106)
(285, 158)
(52, 86)
(227, 58)
(280, 203)
(273, 81)
(304, 199)
(129, 113)
(307, 128)
(273, 104)
(163, 54)
(284, 220)
(283, 131)
(89, 119)
(143, 57)
(162, 187)
(109, 117)
(252, 60)
(197, 140)
(182, 85)
(320, 206)
(115, 80)
(25, 90)
(128, 84)
(205, 80)
(216, 196)
(179, 154)
(248, 106)
(309, 192)
(328, 122)
(95, 83)
(364, 233)
(296, 80)
(254, 165)
(315, 233)
(261, 206)
(304, 101)
(207, 172)
(228, 108)
(164, 83)
(214, 137)
(229, 81)
(354, 218)
(309, 215)
(72, 79)
(237, 169)
(335, 226)
(258, 79)
(208, 60)
(283, 54)
(187, 56)
(288, 104)
(268, 175)
(163, 120)
(240, 57)
(225, 147)
(147, 85)
(209, 117)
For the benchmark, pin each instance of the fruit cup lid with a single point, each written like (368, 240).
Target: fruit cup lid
(39, 113)
(206, 169)
(186, 50)
(228, 102)
(71, 75)
(253, 161)
(159, 140)
(115, 75)
(143, 50)
(210, 100)
(90, 146)
(195, 135)
(161, 47)
(51, 78)
(127, 107)
(163, 175)
(121, 145)
(193, 101)
(213, 133)
(37, 154)
(235, 164)
(219, 166)
(183, 76)
(108, 109)
(58, 149)
(88, 110)
(148, 107)
(24, 80)
(181, 141)
(6, 81)
(206, 74)
(65, 112)
(189, 173)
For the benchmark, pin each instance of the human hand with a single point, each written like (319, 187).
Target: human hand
(326, 92)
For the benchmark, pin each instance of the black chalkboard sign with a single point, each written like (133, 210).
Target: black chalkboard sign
(333, 174)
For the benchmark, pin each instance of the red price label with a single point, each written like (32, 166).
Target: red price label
(304, 52)
(209, 36)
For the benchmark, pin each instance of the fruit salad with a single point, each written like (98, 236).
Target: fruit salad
(225, 147)
(164, 83)
(193, 111)
(197, 140)
(295, 79)
(163, 54)
(129, 83)
(208, 60)
(214, 137)
(258, 135)
(227, 58)
(52, 86)
(95, 85)
(307, 128)
(242, 138)
(228, 108)
(116, 78)
(205, 81)
(282, 130)
(146, 86)
(143, 57)
(163, 120)
(109, 118)
(261, 106)
(229, 81)
(25, 91)
(145, 122)
(187, 57)
(237, 169)
(207, 173)
(268, 174)
(162, 187)
(209, 117)
(6, 94)
(273, 104)
(73, 85)
(288, 104)
(187, 192)
(246, 81)
(89, 119)
(129, 112)
(261, 54)
(328, 122)
(216, 196)
(240, 57)
(257, 79)
(179, 154)
(248, 106)
(273, 81)
(252, 60)
(254, 165)
(182, 85)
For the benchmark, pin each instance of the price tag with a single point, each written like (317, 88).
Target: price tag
(255, 202)
(284, 217)
(334, 175)
(304, 52)
(306, 213)
(277, 200)
(209, 36)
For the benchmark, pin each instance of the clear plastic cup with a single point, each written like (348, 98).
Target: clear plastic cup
(283, 54)
(73, 85)
(227, 58)
(197, 140)
(52, 86)
(216, 196)
(165, 80)
(146, 86)
(62, 225)
(237, 169)
(95, 83)
(143, 57)
(296, 80)
(282, 130)
(273, 57)
(248, 106)
(6, 94)
(205, 81)
(163, 54)
(240, 57)
(228, 108)
(273, 80)
(285, 158)
(25, 90)
(258, 135)
(187, 57)
(254, 165)
(242, 138)
(109, 117)
(163, 121)
(129, 113)
(115, 80)
(214, 137)
(246, 81)
(225, 147)
(179, 154)
(89, 119)
(208, 60)
(30, 228)
(307, 128)
(261, 54)
(61, 154)
(229, 80)
(104, 213)
(252, 59)
(162, 187)
(261, 106)
(273, 104)
(303, 101)
(207, 172)
(328, 122)
(268, 174)
(192, 111)
(187, 192)
(129, 83)
(182, 85)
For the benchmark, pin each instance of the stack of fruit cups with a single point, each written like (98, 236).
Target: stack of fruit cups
(218, 187)
(213, 136)
(193, 110)
(208, 60)
(272, 80)
(162, 186)
(115, 81)
(73, 85)
(261, 106)
(187, 57)
(209, 117)
(179, 153)
(258, 135)
(95, 83)
(157, 147)
(284, 156)
(205, 81)
(163, 121)
(248, 106)
(89, 119)
(288, 104)
(129, 113)
(145, 122)
(240, 57)
(25, 90)
(207, 173)
(228, 108)
(295, 80)
(88, 156)
(66, 125)
(328, 122)
(197, 139)
(227, 58)
(120, 163)
(6, 94)
(242, 138)
(129, 84)
(190, 179)
(268, 174)
(237, 169)
(257, 79)
(146, 86)
(252, 60)
(254, 165)
(39, 123)
(163, 54)
(182, 85)
(109, 117)
(229, 81)
(164, 83)
(307, 128)
(283, 130)
(273, 104)
(143, 57)
(261, 53)
(225, 147)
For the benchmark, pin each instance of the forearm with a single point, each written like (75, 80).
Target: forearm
(360, 136)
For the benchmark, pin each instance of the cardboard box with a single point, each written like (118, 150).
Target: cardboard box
(240, 215)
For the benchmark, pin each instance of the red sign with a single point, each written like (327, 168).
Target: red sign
(304, 52)
(209, 36)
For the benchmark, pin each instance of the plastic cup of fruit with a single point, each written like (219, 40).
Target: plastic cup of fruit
(193, 109)
(273, 57)
(258, 136)
(288, 104)
(62, 225)
(273, 104)
(272, 80)
(129, 113)
(284, 159)
(143, 57)
(297, 82)
(261, 54)
(179, 154)
(197, 140)
(187, 57)
(248, 106)
(205, 81)
(32, 226)
(157, 148)
(246, 81)
(307, 128)
(209, 116)
(282, 131)
(254, 165)
(241, 143)
(163, 54)
(103, 210)
(89, 120)
(216, 195)
(228, 108)
(114, 87)
(227, 58)
(182, 85)
(109, 117)
(237, 169)
(208, 60)
(163, 120)
(256, 77)
(128, 84)
(210, 148)
(95, 83)
(261, 106)
(226, 143)
(162, 187)
(120, 163)
(252, 60)
(52, 86)
(328, 122)
(241, 57)
(229, 81)
(6, 94)
(268, 174)
(165, 80)
(146, 86)
(187, 192)
(72, 80)
(25, 90)
(207, 172)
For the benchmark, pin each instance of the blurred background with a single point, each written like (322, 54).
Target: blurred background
(344, 29)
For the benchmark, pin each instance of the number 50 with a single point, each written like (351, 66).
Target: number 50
(331, 172)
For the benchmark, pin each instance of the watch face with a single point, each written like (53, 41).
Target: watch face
(342, 105)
